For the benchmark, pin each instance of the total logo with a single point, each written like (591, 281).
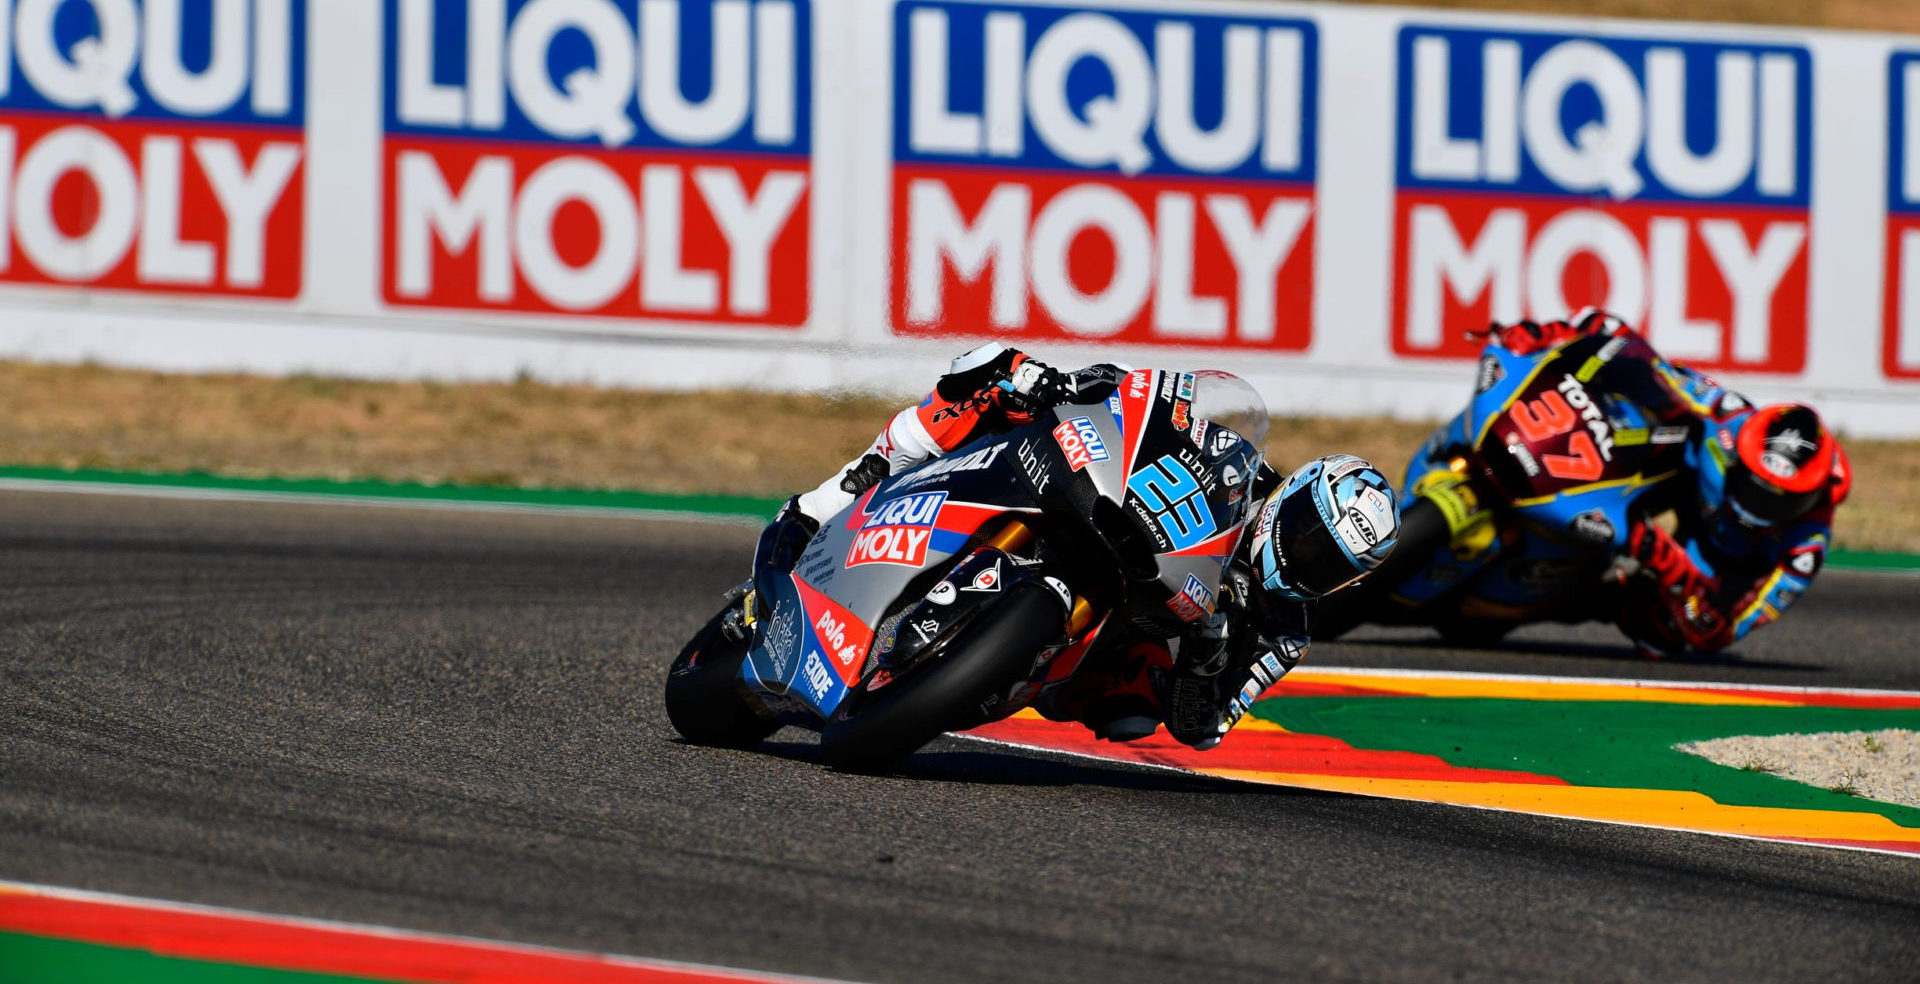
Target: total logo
(153, 145)
(1053, 174)
(898, 532)
(630, 158)
(1666, 180)
(1080, 441)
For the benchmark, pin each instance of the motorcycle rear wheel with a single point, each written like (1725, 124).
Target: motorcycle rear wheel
(994, 654)
(703, 695)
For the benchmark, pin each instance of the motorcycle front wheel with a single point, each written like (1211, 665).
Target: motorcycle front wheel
(703, 695)
(995, 653)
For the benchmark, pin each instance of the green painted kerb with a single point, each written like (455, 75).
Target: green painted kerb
(33, 960)
(745, 507)
(1616, 744)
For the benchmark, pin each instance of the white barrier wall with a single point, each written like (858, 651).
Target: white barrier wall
(795, 195)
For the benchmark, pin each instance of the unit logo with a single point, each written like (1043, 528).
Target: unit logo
(624, 158)
(1080, 441)
(1900, 346)
(153, 145)
(1667, 180)
(1122, 175)
(898, 532)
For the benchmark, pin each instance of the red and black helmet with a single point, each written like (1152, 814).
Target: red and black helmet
(1785, 465)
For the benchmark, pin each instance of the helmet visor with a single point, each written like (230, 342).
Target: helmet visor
(1311, 558)
(1757, 502)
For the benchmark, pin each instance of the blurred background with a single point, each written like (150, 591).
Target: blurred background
(424, 242)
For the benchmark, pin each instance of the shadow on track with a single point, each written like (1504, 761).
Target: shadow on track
(1584, 650)
(1029, 768)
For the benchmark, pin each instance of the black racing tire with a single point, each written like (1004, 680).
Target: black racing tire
(1423, 530)
(995, 653)
(703, 695)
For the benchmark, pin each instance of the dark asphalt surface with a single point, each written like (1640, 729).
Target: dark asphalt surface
(451, 722)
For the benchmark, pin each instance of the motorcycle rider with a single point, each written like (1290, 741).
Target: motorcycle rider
(1752, 521)
(1325, 525)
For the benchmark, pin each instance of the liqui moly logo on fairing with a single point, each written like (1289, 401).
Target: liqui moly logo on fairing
(636, 158)
(1900, 351)
(1665, 179)
(898, 532)
(1080, 441)
(152, 144)
(1120, 174)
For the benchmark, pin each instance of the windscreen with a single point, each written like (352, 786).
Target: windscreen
(1225, 400)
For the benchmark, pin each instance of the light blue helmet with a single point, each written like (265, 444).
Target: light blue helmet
(1331, 521)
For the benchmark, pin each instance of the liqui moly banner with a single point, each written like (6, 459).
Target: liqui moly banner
(153, 145)
(1667, 180)
(813, 194)
(1900, 346)
(1139, 175)
(644, 159)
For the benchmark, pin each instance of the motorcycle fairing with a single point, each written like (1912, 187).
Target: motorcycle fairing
(785, 649)
(1560, 529)
(973, 485)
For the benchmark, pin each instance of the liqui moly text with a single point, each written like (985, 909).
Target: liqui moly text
(634, 158)
(153, 145)
(1667, 180)
(898, 532)
(1126, 175)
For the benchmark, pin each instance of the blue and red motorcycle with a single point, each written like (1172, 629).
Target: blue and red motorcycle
(1516, 510)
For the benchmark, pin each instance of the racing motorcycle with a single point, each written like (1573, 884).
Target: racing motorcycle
(967, 588)
(1557, 450)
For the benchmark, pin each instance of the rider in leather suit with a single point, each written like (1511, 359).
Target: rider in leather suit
(1751, 527)
(1202, 685)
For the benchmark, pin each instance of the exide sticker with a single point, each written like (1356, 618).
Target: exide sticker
(621, 158)
(1666, 180)
(1129, 174)
(1080, 441)
(898, 532)
(154, 146)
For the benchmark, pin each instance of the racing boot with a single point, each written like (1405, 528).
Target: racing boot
(1210, 692)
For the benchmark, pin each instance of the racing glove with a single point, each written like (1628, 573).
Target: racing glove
(1528, 337)
(1686, 593)
(1034, 386)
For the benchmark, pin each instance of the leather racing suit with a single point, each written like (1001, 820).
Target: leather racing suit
(1200, 682)
(1713, 579)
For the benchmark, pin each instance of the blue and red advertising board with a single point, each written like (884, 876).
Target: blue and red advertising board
(153, 145)
(1900, 350)
(1125, 175)
(1666, 179)
(600, 157)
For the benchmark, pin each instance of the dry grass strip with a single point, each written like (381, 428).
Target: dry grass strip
(537, 435)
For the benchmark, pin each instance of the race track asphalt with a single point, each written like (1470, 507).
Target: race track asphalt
(451, 721)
